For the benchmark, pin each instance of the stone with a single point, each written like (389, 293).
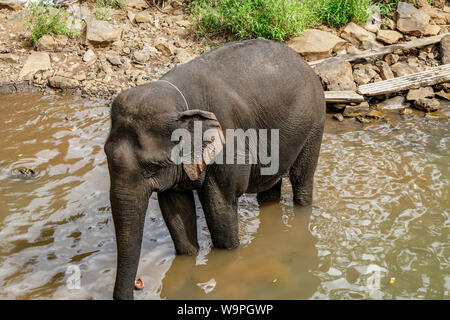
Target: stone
(375, 114)
(385, 71)
(436, 116)
(401, 69)
(393, 104)
(143, 17)
(411, 20)
(62, 82)
(431, 30)
(36, 61)
(338, 116)
(445, 49)
(424, 92)
(140, 57)
(162, 46)
(137, 4)
(389, 36)
(357, 110)
(46, 43)
(131, 15)
(336, 76)
(9, 58)
(89, 57)
(113, 58)
(444, 95)
(373, 24)
(357, 35)
(101, 32)
(14, 5)
(391, 58)
(363, 73)
(315, 44)
(428, 105)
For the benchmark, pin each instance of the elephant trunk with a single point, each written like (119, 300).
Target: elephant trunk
(128, 211)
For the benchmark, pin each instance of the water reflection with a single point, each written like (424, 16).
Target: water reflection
(378, 228)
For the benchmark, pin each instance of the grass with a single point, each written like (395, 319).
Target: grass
(273, 19)
(103, 8)
(41, 19)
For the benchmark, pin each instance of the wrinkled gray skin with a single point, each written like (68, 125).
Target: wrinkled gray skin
(246, 84)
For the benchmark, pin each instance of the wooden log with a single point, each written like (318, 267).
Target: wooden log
(422, 42)
(342, 97)
(410, 81)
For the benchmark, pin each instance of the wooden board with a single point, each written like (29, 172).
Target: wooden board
(411, 81)
(342, 97)
(422, 42)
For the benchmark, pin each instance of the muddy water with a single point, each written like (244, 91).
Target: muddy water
(379, 226)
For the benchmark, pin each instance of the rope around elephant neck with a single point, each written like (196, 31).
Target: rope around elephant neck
(185, 101)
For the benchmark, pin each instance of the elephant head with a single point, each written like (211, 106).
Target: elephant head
(139, 151)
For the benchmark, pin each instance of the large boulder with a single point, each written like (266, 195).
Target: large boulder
(101, 32)
(36, 61)
(315, 44)
(411, 20)
(337, 76)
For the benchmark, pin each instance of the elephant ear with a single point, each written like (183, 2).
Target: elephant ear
(212, 140)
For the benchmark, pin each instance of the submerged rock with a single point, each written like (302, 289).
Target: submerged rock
(393, 104)
(357, 110)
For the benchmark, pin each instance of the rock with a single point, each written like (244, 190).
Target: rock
(113, 58)
(9, 58)
(46, 43)
(101, 32)
(373, 24)
(315, 44)
(436, 116)
(385, 71)
(36, 61)
(11, 4)
(140, 57)
(357, 35)
(143, 17)
(337, 76)
(137, 4)
(431, 30)
(358, 110)
(338, 116)
(393, 104)
(375, 114)
(89, 57)
(363, 74)
(183, 23)
(61, 82)
(428, 105)
(445, 49)
(401, 69)
(162, 46)
(406, 111)
(444, 95)
(424, 92)
(391, 58)
(389, 36)
(411, 20)
(131, 15)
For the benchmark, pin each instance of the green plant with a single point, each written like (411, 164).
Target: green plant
(102, 13)
(118, 4)
(387, 6)
(41, 19)
(273, 19)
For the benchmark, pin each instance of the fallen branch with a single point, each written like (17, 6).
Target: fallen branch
(342, 97)
(422, 42)
(411, 81)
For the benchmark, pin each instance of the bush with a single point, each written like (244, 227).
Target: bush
(273, 19)
(42, 19)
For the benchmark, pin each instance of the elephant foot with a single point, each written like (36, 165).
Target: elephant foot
(273, 194)
(186, 249)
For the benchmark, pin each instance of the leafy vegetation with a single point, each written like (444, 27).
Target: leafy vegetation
(273, 19)
(41, 19)
(103, 8)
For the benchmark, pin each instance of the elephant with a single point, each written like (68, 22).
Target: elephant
(259, 84)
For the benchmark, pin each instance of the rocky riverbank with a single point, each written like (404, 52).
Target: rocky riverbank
(139, 43)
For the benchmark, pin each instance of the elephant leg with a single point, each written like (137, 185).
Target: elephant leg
(221, 215)
(178, 210)
(273, 194)
(302, 171)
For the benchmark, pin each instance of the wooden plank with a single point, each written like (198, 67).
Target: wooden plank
(422, 42)
(411, 81)
(342, 97)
